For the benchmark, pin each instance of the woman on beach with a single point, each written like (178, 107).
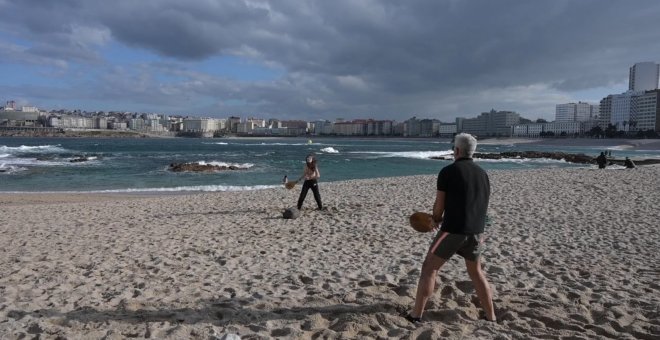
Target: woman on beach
(310, 174)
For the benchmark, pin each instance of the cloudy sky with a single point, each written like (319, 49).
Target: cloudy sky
(304, 59)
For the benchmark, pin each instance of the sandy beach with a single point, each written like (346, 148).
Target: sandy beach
(572, 254)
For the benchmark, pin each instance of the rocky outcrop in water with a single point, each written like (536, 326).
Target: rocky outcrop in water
(196, 167)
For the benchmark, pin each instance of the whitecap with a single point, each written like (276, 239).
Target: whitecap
(329, 149)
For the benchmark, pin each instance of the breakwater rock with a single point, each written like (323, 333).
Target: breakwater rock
(196, 167)
(579, 158)
(568, 157)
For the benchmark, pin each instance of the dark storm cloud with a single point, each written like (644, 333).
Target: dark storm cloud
(383, 58)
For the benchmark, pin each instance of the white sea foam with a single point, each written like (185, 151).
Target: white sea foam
(215, 163)
(34, 162)
(217, 143)
(406, 154)
(20, 161)
(203, 188)
(4, 155)
(329, 149)
(26, 149)
(620, 147)
(209, 188)
(10, 169)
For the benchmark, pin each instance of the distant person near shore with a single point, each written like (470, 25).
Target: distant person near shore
(601, 161)
(463, 192)
(311, 175)
(629, 163)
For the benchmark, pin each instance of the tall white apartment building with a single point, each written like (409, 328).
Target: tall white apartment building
(644, 76)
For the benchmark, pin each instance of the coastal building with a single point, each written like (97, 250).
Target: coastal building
(532, 130)
(535, 130)
(136, 124)
(232, 123)
(101, 123)
(644, 76)
(630, 111)
(563, 128)
(620, 114)
(116, 125)
(29, 109)
(74, 122)
(493, 123)
(428, 127)
(412, 127)
(257, 122)
(354, 128)
(246, 127)
(323, 127)
(605, 112)
(446, 129)
(644, 111)
(18, 118)
(379, 127)
(297, 124)
(281, 131)
(203, 125)
(575, 112)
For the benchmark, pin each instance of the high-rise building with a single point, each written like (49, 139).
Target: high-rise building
(645, 111)
(631, 111)
(644, 76)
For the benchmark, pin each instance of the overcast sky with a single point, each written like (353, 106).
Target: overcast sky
(299, 59)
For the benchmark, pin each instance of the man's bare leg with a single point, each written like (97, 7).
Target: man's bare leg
(482, 287)
(426, 283)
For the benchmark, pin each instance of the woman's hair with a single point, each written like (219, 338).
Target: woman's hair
(312, 164)
(466, 143)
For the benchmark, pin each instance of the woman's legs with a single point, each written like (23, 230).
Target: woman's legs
(303, 193)
(317, 195)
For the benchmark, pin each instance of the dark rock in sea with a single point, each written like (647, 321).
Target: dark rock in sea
(79, 159)
(196, 167)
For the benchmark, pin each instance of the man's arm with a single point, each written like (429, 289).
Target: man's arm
(439, 206)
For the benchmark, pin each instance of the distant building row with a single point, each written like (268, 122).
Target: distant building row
(636, 110)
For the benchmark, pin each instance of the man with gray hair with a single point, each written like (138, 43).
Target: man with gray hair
(461, 202)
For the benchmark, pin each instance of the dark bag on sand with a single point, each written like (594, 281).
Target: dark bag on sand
(291, 213)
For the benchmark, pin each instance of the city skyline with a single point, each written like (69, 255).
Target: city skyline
(313, 60)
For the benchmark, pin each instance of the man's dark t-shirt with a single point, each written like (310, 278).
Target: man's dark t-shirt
(467, 190)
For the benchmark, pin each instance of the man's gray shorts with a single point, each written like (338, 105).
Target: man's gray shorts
(445, 245)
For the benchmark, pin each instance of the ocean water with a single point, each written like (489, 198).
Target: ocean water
(141, 165)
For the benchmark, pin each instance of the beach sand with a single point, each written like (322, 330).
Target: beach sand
(572, 254)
